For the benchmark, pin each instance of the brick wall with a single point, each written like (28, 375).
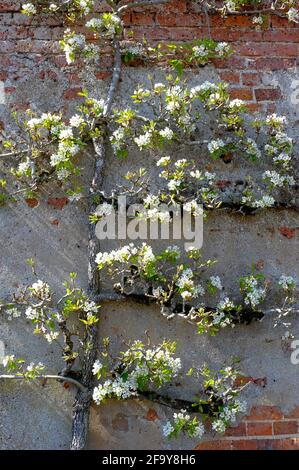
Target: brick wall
(28, 44)
(265, 428)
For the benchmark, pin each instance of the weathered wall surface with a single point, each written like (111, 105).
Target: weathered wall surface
(262, 72)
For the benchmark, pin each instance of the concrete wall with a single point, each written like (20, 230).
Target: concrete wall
(39, 417)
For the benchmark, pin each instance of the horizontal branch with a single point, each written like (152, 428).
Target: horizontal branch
(144, 3)
(12, 154)
(60, 378)
(173, 403)
(257, 12)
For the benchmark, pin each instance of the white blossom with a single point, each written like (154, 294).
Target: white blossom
(97, 367)
(76, 120)
(167, 429)
(164, 161)
(167, 133)
(222, 48)
(293, 15)
(215, 145)
(216, 282)
(287, 282)
(219, 426)
(143, 140)
(7, 360)
(29, 8)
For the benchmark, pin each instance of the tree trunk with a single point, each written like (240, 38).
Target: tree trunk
(83, 399)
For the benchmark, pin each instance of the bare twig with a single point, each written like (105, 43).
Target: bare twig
(60, 378)
(12, 154)
(144, 3)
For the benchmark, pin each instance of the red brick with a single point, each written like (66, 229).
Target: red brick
(294, 413)
(145, 18)
(72, 93)
(267, 94)
(264, 412)
(215, 445)
(285, 427)
(239, 430)
(245, 444)
(271, 63)
(286, 444)
(251, 79)
(259, 429)
(230, 77)
(8, 5)
(177, 19)
(241, 93)
(267, 49)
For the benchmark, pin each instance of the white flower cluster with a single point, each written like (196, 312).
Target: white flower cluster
(277, 180)
(216, 282)
(117, 388)
(225, 304)
(109, 24)
(85, 5)
(182, 422)
(51, 336)
(164, 161)
(228, 415)
(76, 120)
(148, 360)
(222, 48)
(202, 89)
(41, 290)
(151, 200)
(90, 306)
(28, 9)
(200, 52)
(276, 121)
(282, 159)
(264, 202)
(293, 15)
(123, 255)
(287, 282)
(67, 148)
(97, 367)
(194, 208)
(252, 148)
(216, 145)
(143, 140)
(24, 166)
(167, 133)
(222, 320)
(73, 44)
(231, 5)
(236, 104)
(258, 20)
(104, 210)
(254, 295)
(12, 312)
(221, 317)
(8, 360)
(32, 313)
(175, 98)
(187, 287)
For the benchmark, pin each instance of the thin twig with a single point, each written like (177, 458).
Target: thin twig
(12, 154)
(60, 378)
(141, 4)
